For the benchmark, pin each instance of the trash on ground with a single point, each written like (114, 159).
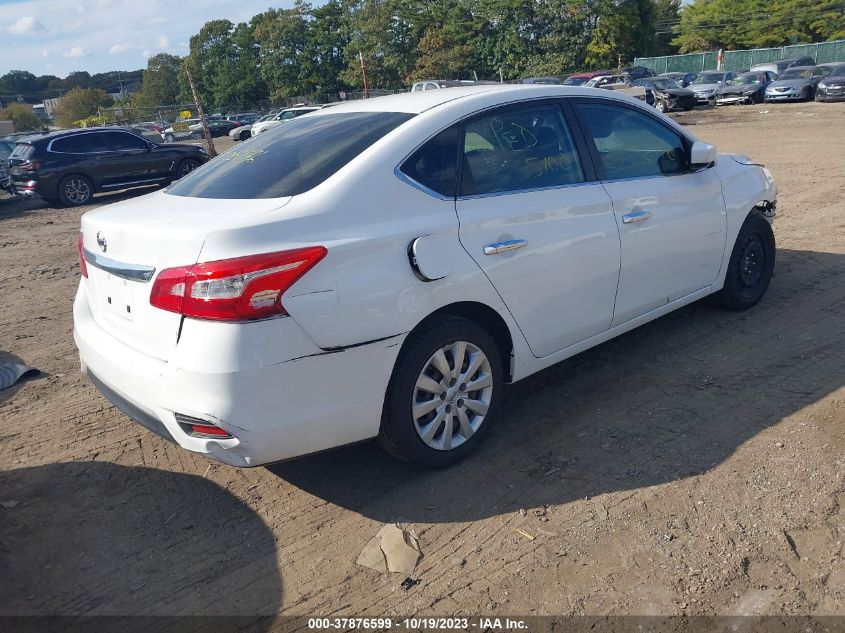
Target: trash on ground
(392, 549)
(11, 372)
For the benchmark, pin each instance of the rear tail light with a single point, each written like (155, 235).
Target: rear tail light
(196, 427)
(30, 165)
(240, 289)
(81, 250)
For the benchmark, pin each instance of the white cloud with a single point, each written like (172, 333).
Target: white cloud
(76, 52)
(146, 54)
(117, 49)
(163, 42)
(27, 25)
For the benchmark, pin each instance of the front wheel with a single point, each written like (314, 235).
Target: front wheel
(244, 135)
(661, 106)
(75, 191)
(751, 265)
(169, 138)
(443, 394)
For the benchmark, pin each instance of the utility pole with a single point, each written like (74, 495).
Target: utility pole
(364, 75)
(209, 144)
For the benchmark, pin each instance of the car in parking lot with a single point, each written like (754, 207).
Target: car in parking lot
(244, 131)
(70, 166)
(6, 148)
(192, 129)
(778, 66)
(288, 114)
(435, 84)
(832, 86)
(797, 83)
(747, 87)
(705, 84)
(382, 268)
(667, 95)
(579, 79)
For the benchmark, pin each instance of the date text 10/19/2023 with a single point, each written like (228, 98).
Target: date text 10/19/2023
(416, 624)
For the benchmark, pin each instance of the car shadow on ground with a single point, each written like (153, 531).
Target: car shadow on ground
(177, 544)
(16, 206)
(669, 400)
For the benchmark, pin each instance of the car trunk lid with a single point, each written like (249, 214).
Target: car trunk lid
(127, 244)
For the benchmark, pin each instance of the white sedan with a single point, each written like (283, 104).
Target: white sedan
(381, 268)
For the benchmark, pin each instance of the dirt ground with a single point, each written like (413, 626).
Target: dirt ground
(695, 465)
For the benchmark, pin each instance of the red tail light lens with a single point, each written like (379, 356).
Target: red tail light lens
(81, 250)
(30, 165)
(240, 289)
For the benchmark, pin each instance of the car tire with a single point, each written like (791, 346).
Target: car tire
(75, 190)
(426, 419)
(751, 265)
(185, 167)
(195, 136)
(244, 135)
(661, 106)
(169, 138)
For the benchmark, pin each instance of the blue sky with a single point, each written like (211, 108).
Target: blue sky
(56, 37)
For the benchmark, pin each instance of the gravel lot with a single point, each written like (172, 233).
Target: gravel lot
(696, 465)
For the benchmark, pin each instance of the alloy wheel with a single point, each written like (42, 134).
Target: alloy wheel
(77, 190)
(452, 395)
(187, 167)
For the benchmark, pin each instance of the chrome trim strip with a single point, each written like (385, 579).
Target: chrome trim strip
(416, 185)
(132, 272)
(134, 182)
(503, 247)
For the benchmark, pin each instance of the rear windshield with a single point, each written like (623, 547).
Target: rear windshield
(289, 159)
(23, 151)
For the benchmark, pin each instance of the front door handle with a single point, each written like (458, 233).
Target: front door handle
(636, 216)
(502, 247)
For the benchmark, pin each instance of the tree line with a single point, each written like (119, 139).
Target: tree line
(315, 50)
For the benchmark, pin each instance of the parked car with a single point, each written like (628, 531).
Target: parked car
(244, 132)
(552, 81)
(70, 166)
(282, 117)
(637, 72)
(149, 134)
(436, 84)
(268, 279)
(6, 148)
(244, 118)
(667, 94)
(748, 87)
(832, 86)
(682, 79)
(601, 81)
(579, 79)
(778, 66)
(797, 83)
(192, 129)
(705, 84)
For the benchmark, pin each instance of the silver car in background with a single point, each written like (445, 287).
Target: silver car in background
(796, 84)
(705, 84)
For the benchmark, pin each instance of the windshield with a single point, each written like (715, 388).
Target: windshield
(289, 159)
(839, 71)
(794, 73)
(575, 81)
(665, 84)
(745, 80)
(708, 78)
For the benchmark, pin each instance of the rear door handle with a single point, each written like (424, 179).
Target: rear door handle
(636, 216)
(501, 247)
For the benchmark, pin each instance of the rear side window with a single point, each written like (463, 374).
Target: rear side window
(517, 149)
(289, 159)
(434, 165)
(22, 151)
(88, 143)
(631, 144)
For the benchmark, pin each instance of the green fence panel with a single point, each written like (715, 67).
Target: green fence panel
(800, 50)
(685, 63)
(711, 61)
(831, 52)
(736, 60)
(765, 55)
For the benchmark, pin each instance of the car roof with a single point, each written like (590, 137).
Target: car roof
(419, 102)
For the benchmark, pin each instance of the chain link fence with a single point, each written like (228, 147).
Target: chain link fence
(823, 52)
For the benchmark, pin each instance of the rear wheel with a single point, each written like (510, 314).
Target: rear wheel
(186, 167)
(751, 265)
(661, 106)
(443, 393)
(244, 135)
(75, 190)
(169, 138)
(195, 135)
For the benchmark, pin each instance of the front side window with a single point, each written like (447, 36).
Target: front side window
(289, 159)
(434, 165)
(632, 144)
(120, 141)
(518, 149)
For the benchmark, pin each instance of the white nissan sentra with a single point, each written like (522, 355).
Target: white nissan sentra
(381, 268)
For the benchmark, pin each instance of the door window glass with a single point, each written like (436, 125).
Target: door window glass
(434, 165)
(518, 149)
(631, 144)
(121, 141)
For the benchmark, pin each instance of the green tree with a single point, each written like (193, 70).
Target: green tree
(18, 83)
(624, 29)
(21, 115)
(80, 103)
(161, 81)
(282, 38)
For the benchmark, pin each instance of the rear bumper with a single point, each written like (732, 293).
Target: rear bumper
(231, 375)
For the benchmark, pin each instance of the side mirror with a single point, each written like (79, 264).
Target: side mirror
(702, 155)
